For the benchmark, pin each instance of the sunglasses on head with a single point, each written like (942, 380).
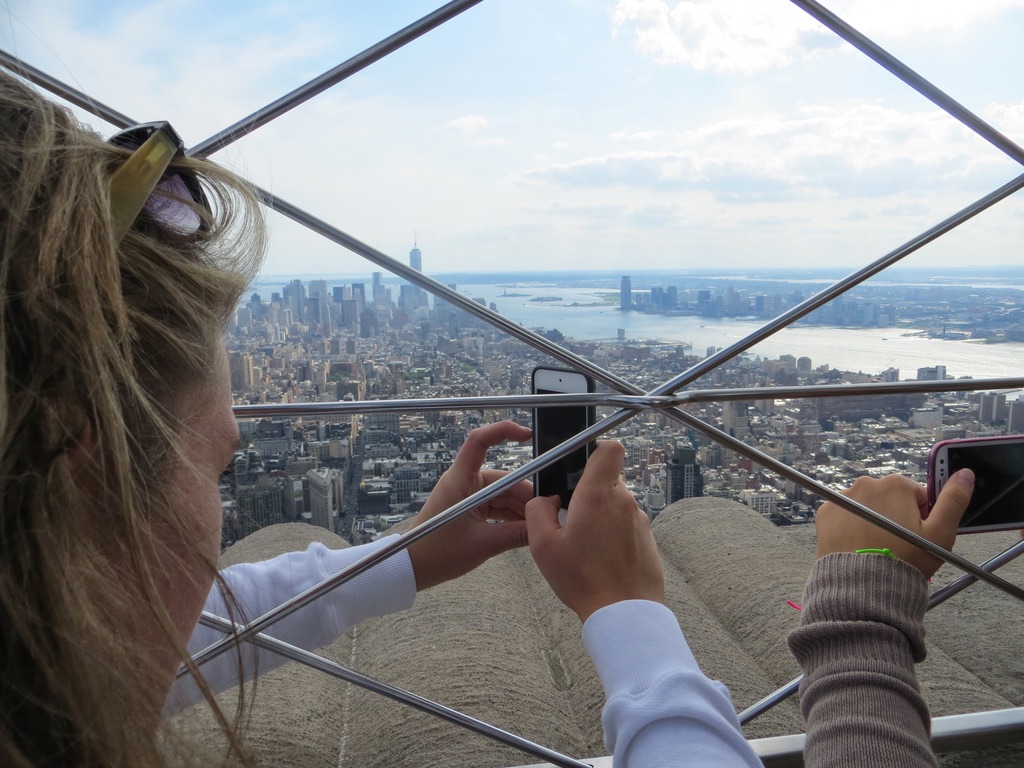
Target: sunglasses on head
(132, 186)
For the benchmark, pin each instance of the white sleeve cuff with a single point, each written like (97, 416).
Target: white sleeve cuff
(634, 643)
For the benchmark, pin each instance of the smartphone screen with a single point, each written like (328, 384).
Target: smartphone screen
(554, 425)
(998, 465)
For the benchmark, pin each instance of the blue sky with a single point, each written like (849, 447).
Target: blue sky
(577, 134)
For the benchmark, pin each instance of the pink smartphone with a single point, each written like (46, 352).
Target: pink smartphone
(997, 503)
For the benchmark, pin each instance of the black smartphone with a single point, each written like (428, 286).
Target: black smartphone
(997, 503)
(554, 425)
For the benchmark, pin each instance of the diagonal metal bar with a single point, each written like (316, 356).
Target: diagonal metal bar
(347, 241)
(411, 536)
(64, 91)
(889, 62)
(331, 77)
(334, 669)
(942, 594)
(442, 291)
(938, 597)
(830, 494)
(841, 286)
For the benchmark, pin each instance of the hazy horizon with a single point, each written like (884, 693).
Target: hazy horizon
(802, 274)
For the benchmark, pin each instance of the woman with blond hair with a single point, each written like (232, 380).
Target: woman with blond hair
(121, 263)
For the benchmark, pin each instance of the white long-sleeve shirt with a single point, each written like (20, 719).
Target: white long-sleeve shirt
(661, 709)
(388, 587)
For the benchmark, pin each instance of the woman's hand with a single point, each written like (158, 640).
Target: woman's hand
(464, 543)
(606, 552)
(905, 502)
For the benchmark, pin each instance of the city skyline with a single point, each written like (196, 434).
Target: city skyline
(634, 131)
(355, 474)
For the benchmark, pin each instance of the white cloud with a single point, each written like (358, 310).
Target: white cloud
(637, 135)
(734, 35)
(468, 123)
(753, 35)
(860, 150)
(229, 66)
(1008, 119)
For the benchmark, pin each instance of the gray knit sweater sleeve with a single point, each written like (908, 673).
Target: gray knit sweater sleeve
(860, 633)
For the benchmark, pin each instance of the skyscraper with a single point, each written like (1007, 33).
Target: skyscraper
(992, 407)
(626, 294)
(325, 497)
(379, 296)
(414, 296)
(319, 288)
(295, 299)
(684, 476)
(1015, 420)
(932, 373)
(735, 418)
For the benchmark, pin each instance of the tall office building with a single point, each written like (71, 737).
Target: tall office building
(295, 299)
(704, 306)
(319, 288)
(261, 505)
(684, 477)
(325, 497)
(446, 314)
(735, 418)
(359, 296)
(380, 293)
(1015, 420)
(932, 373)
(992, 407)
(243, 372)
(413, 296)
(626, 294)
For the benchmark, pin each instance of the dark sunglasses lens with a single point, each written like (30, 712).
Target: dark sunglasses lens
(169, 203)
(170, 206)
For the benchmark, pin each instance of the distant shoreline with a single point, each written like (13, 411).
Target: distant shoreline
(802, 275)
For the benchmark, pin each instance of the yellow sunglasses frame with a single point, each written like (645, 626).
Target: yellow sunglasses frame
(132, 184)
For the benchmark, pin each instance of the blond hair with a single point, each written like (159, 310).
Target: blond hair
(101, 343)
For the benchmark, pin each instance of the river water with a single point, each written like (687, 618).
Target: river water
(582, 314)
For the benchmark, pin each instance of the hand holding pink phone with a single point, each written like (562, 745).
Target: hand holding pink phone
(998, 465)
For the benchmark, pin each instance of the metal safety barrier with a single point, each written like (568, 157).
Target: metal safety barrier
(966, 731)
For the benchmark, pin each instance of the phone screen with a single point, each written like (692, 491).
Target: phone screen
(998, 498)
(553, 426)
